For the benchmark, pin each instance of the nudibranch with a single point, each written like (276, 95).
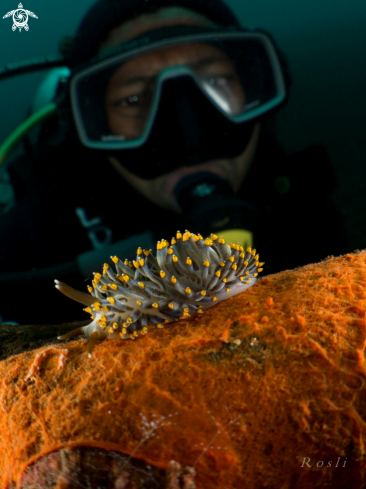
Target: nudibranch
(187, 276)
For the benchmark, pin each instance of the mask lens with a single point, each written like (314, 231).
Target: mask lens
(115, 101)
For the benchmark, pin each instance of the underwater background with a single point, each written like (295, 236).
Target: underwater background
(324, 42)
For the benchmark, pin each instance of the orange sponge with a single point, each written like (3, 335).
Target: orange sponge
(266, 389)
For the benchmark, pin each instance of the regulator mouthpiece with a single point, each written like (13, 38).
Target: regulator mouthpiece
(209, 204)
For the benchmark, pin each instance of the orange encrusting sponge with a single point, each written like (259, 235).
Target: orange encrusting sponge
(242, 393)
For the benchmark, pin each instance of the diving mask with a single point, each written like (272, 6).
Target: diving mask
(159, 86)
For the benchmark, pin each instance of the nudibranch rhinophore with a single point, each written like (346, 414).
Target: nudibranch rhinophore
(187, 276)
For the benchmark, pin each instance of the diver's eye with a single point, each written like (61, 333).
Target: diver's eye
(219, 81)
(137, 101)
(131, 101)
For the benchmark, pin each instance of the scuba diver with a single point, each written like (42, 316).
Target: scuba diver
(162, 120)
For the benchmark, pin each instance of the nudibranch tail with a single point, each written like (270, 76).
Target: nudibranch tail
(188, 275)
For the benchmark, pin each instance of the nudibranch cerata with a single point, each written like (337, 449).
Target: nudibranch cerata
(187, 276)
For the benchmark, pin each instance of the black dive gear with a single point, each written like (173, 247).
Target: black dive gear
(206, 106)
(105, 15)
(188, 127)
(209, 204)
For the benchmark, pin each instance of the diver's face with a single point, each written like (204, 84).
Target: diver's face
(130, 91)
(127, 100)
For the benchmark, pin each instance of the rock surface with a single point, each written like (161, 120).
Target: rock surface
(266, 389)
